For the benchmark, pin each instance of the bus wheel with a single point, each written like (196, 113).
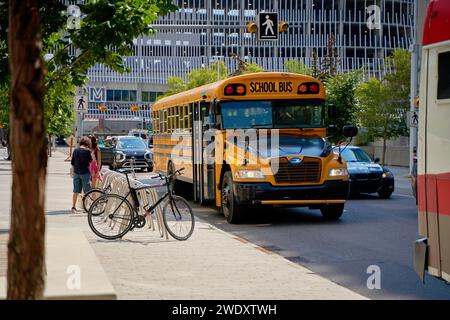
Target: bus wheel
(230, 209)
(332, 211)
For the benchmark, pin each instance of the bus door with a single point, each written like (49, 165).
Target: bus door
(203, 175)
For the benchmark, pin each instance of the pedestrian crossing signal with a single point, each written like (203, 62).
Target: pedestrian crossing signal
(268, 26)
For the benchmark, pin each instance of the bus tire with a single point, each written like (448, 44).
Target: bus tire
(232, 211)
(332, 211)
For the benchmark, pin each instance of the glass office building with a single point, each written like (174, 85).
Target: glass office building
(204, 31)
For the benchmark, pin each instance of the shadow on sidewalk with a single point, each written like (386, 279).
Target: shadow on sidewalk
(145, 242)
(58, 213)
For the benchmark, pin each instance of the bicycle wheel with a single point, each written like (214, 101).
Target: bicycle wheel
(90, 197)
(116, 217)
(178, 218)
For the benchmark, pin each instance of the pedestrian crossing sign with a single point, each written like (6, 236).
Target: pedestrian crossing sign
(268, 26)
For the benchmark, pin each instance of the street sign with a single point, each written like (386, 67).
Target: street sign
(81, 104)
(413, 119)
(268, 26)
(81, 100)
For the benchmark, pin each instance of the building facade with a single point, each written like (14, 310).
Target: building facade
(201, 32)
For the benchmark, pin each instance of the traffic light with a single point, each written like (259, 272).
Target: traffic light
(134, 108)
(283, 26)
(252, 27)
(102, 108)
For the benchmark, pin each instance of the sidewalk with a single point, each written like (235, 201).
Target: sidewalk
(212, 264)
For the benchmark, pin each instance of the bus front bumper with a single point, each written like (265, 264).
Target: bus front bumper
(330, 192)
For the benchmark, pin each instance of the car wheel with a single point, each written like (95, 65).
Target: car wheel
(232, 211)
(385, 193)
(332, 211)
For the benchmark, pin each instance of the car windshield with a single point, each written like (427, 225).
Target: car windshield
(131, 144)
(272, 114)
(355, 155)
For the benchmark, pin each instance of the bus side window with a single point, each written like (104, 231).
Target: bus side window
(164, 122)
(189, 117)
(177, 119)
(443, 75)
(181, 117)
(186, 117)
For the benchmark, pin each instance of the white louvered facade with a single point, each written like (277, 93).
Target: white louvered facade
(203, 31)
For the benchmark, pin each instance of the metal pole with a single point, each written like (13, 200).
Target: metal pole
(79, 126)
(414, 86)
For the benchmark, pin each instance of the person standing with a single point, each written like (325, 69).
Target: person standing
(79, 171)
(95, 166)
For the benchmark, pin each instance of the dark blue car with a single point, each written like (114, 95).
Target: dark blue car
(366, 175)
(120, 154)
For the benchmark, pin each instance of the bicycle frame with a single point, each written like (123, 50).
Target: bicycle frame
(133, 193)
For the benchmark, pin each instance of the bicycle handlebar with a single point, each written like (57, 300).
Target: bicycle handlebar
(170, 176)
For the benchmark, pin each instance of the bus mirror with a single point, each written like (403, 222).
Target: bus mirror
(216, 107)
(349, 131)
(332, 111)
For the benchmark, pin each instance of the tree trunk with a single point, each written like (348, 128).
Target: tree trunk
(383, 152)
(26, 251)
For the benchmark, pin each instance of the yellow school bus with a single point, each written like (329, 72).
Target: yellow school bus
(250, 140)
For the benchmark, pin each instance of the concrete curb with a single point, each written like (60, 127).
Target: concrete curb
(73, 270)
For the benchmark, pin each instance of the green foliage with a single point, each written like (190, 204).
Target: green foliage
(252, 68)
(59, 114)
(4, 105)
(379, 112)
(175, 84)
(106, 33)
(245, 67)
(383, 104)
(196, 78)
(208, 74)
(340, 91)
(399, 81)
(297, 66)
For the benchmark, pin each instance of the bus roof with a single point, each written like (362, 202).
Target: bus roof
(210, 91)
(437, 22)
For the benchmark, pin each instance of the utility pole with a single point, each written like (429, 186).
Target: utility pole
(419, 10)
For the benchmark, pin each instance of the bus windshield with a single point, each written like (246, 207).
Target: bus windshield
(275, 114)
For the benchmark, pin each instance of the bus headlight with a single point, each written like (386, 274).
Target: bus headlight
(249, 174)
(338, 172)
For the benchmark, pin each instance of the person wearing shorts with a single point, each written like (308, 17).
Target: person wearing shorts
(81, 158)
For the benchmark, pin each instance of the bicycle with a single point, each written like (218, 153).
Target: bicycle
(92, 195)
(89, 197)
(112, 216)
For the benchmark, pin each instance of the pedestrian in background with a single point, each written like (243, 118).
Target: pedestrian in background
(81, 159)
(95, 166)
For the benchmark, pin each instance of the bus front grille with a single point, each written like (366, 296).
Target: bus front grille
(307, 171)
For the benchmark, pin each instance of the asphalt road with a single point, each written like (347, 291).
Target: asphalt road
(371, 232)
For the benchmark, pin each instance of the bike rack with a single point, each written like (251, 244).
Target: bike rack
(119, 186)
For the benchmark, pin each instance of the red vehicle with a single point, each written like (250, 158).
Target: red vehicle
(432, 253)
